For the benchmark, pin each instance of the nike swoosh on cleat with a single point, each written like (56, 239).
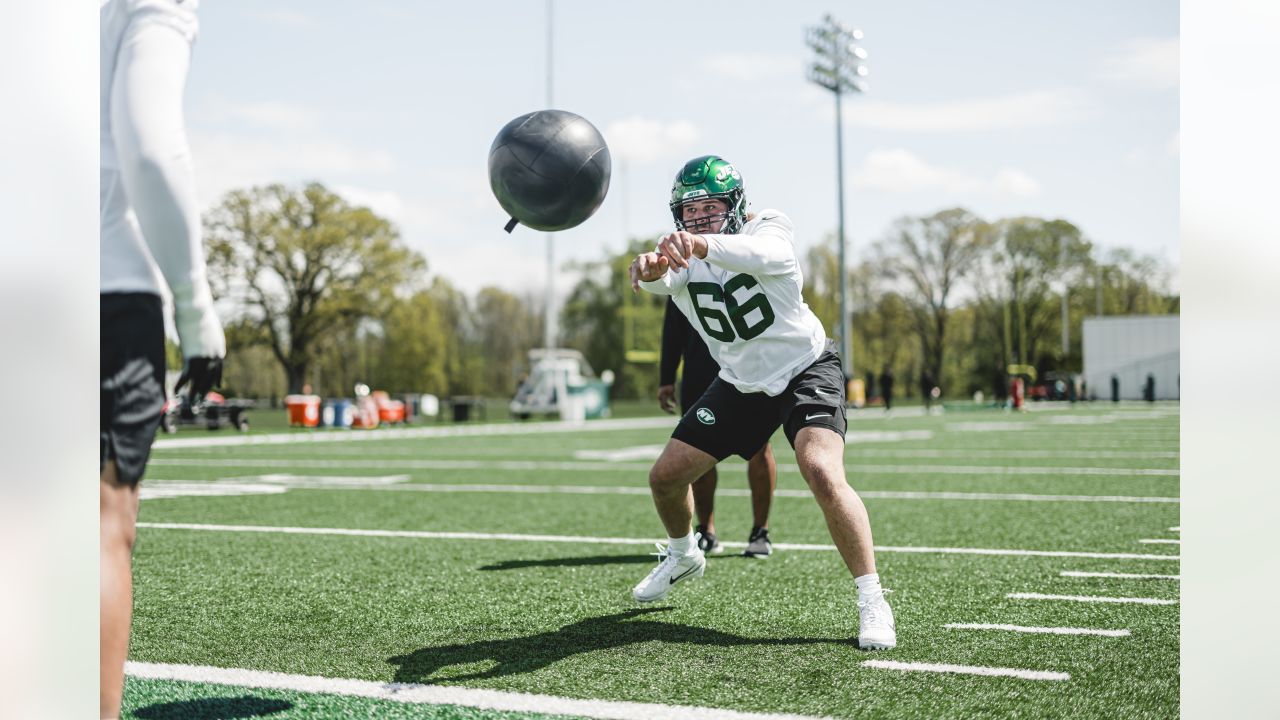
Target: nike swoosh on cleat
(682, 575)
(818, 415)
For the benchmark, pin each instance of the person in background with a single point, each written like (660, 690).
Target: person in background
(886, 388)
(679, 342)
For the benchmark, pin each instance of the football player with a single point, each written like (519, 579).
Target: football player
(150, 240)
(738, 280)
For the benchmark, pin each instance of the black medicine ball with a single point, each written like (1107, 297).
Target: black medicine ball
(549, 170)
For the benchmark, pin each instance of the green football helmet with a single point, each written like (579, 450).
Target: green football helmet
(710, 176)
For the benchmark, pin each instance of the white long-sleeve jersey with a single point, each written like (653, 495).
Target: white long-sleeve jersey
(744, 300)
(150, 224)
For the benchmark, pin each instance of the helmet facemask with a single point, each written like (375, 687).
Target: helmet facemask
(728, 222)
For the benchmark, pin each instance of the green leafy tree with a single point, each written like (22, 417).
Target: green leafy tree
(413, 347)
(822, 283)
(1030, 264)
(596, 315)
(506, 328)
(305, 265)
(930, 256)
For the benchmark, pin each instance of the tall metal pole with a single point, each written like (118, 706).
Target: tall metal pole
(549, 329)
(846, 344)
(839, 68)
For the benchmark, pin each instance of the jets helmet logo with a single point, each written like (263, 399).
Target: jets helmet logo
(725, 172)
(706, 417)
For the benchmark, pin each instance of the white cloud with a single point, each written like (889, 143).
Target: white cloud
(753, 67)
(413, 217)
(273, 115)
(643, 140)
(1029, 109)
(386, 203)
(1012, 181)
(901, 171)
(287, 18)
(1150, 63)
(225, 161)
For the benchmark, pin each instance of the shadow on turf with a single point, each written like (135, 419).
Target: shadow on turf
(222, 708)
(649, 559)
(534, 652)
(572, 562)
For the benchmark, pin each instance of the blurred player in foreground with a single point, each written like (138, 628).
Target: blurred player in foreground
(150, 240)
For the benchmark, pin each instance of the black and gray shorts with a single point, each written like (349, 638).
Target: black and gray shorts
(726, 421)
(132, 376)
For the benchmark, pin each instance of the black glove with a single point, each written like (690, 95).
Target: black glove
(204, 374)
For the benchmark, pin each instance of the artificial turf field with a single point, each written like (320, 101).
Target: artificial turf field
(501, 557)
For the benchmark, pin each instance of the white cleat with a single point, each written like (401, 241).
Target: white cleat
(876, 629)
(671, 569)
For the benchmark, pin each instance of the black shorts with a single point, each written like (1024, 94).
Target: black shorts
(726, 421)
(132, 375)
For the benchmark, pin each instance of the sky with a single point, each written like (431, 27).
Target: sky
(1059, 110)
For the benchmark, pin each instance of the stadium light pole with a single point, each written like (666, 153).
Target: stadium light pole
(548, 322)
(839, 66)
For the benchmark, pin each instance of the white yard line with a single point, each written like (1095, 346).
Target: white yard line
(1023, 553)
(1118, 576)
(922, 495)
(420, 694)
(505, 429)
(1159, 541)
(1006, 453)
(517, 537)
(1176, 528)
(153, 490)
(1044, 630)
(586, 466)
(967, 670)
(306, 482)
(1091, 598)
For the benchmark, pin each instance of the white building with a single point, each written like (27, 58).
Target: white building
(1130, 348)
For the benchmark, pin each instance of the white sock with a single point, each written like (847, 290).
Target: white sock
(868, 587)
(680, 546)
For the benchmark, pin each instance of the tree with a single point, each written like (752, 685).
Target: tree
(412, 348)
(930, 256)
(305, 265)
(596, 316)
(506, 328)
(1032, 262)
(1134, 284)
(822, 283)
(251, 370)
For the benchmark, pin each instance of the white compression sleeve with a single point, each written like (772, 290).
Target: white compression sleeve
(155, 166)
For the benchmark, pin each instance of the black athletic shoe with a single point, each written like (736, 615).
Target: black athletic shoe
(707, 542)
(758, 545)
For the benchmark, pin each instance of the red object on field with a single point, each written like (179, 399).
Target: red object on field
(304, 410)
(1015, 392)
(389, 411)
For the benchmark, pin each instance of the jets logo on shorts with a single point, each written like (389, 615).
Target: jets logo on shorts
(706, 417)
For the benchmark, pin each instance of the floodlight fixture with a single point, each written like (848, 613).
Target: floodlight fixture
(839, 67)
